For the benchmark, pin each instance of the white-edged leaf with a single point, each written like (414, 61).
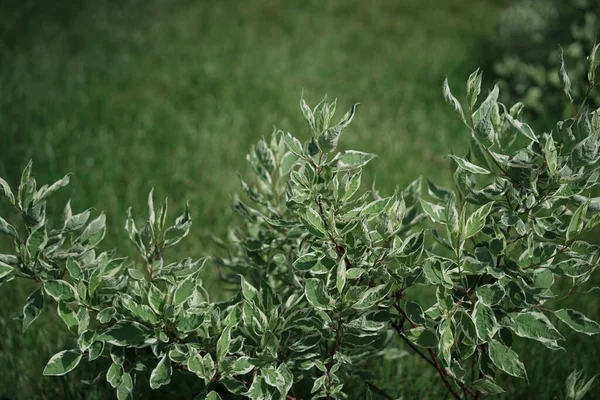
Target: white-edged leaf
(62, 363)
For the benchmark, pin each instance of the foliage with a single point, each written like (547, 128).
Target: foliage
(528, 32)
(324, 272)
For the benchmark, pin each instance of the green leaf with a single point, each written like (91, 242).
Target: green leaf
(77, 221)
(184, 290)
(577, 221)
(340, 281)
(467, 166)
(328, 140)
(114, 374)
(484, 132)
(62, 363)
(249, 292)
(60, 290)
(241, 366)
(351, 159)
(37, 240)
(156, 299)
(94, 232)
(174, 234)
(46, 191)
(522, 127)
(23, 187)
(534, 325)
(578, 322)
(473, 87)
(5, 270)
(451, 100)
(68, 316)
(351, 185)
(421, 337)
(316, 294)
(506, 359)
(486, 386)
(314, 222)
(5, 191)
(564, 77)
(476, 221)
(259, 390)
(161, 375)
(223, 344)
(306, 261)
(265, 156)
(490, 295)
(446, 341)
(125, 388)
(308, 115)
(213, 396)
(485, 321)
(487, 106)
(551, 155)
(7, 228)
(125, 333)
(33, 308)
(373, 296)
(293, 144)
(435, 212)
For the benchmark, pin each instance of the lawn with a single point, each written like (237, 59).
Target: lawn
(170, 94)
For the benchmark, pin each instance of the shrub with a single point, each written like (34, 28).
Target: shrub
(323, 272)
(528, 31)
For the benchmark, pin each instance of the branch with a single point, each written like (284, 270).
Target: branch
(435, 362)
(380, 391)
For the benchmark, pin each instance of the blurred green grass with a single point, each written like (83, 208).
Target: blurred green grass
(171, 94)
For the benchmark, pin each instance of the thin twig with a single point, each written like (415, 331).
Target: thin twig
(380, 391)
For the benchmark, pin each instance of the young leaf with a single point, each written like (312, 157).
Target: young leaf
(316, 294)
(293, 144)
(476, 221)
(466, 165)
(450, 99)
(94, 232)
(485, 321)
(5, 270)
(5, 191)
(535, 325)
(435, 212)
(60, 290)
(506, 359)
(473, 87)
(578, 322)
(7, 228)
(33, 308)
(551, 155)
(213, 396)
(62, 363)
(125, 333)
(564, 77)
(314, 223)
(125, 388)
(341, 274)
(373, 296)
(161, 375)
(351, 159)
(223, 343)
(522, 127)
(486, 386)
(577, 221)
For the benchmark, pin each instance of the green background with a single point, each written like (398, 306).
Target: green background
(131, 95)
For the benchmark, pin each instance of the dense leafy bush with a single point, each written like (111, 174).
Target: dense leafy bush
(528, 32)
(324, 273)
